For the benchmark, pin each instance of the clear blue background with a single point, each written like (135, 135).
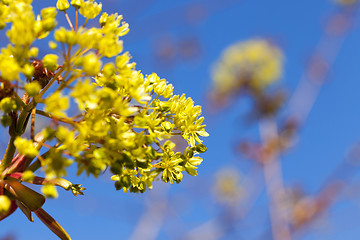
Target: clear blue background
(191, 35)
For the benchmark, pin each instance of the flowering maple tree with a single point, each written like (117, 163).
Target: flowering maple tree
(101, 115)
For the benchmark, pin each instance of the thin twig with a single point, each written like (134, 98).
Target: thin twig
(327, 50)
(60, 119)
(69, 21)
(76, 19)
(274, 182)
(32, 130)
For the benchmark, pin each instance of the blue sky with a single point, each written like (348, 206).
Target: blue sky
(208, 27)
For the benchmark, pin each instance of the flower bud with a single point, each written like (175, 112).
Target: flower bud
(91, 64)
(5, 120)
(153, 78)
(50, 61)
(49, 191)
(28, 70)
(76, 3)
(8, 104)
(109, 70)
(168, 92)
(201, 148)
(126, 181)
(49, 12)
(32, 88)
(160, 88)
(5, 204)
(62, 5)
(48, 24)
(60, 35)
(190, 152)
(33, 52)
(90, 9)
(25, 147)
(27, 176)
(71, 37)
(122, 60)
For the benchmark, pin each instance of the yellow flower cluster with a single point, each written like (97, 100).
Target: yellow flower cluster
(122, 120)
(251, 65)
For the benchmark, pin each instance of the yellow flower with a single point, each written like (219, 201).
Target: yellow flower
(5, 204)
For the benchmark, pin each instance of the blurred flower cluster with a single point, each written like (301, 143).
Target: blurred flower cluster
(246, 66)
(228, 188)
